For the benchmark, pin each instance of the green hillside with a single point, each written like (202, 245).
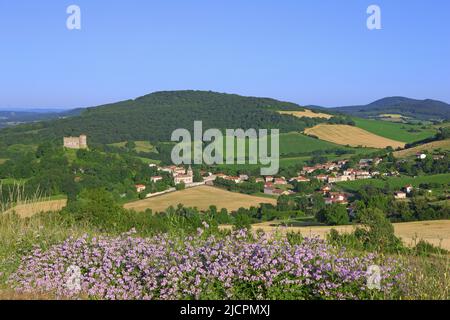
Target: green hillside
(397, 131)
(155, 116)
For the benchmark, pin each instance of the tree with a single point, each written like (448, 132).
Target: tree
(334, 215)
(242, 220)
(377, 232)
(180, 186)
(130, 145)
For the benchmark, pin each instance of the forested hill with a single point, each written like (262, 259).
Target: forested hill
(153, 117)
(419, 109)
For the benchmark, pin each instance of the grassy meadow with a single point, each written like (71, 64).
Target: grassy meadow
(401, 132)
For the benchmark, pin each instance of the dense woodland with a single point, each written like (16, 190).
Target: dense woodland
(154, 117)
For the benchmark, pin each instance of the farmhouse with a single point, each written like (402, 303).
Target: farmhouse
(399, 195)
(421, 156)
(140, 188)
(156, 179)
(76, 142)
(325, 189)
(307, 170)
(277, 192)
(336, 197)
(183, 176)
(243, 177)
(408, 188)
(280, 181)
(300, 179)
(322, 177)
(234, 179)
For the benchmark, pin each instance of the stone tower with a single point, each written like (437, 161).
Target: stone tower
(83, 141)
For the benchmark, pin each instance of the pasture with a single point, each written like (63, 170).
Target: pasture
(201, 197)
(401, 132)
(443, 145)
(307, 114)
(352, 136)
(141, 146)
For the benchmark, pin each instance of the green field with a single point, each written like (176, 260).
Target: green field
(141, 146)
(149, 161)
(395, 182)
(396, 131)
(2, 161)
(298, 143)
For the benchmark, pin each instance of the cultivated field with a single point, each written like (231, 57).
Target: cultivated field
(435, 232)
(29, 209)
(353, 136)
(202, 198)
(443, 144)
(307, 114)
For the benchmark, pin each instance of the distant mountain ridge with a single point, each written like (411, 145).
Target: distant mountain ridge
(21, 116)
(427, 109)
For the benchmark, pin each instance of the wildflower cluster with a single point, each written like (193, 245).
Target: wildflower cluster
(236, 266)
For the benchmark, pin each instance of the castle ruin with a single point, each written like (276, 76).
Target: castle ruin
(76, 142)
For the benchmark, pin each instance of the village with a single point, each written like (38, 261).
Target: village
(326, 174)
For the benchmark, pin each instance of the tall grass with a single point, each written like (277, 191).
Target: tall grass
(13, 195)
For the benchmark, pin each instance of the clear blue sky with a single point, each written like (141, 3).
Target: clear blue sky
(309, 52)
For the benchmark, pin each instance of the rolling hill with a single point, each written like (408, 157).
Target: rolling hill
(155, 116)
(443, 145)
(400, 106)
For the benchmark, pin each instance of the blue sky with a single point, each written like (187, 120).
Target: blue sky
(309, 52)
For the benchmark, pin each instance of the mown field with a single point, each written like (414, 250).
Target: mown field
(443, 145)
(395, 182)
(396, 131)
(25, 210)
(352, 136)
(307, 114)
(201, 197)
(435, 232)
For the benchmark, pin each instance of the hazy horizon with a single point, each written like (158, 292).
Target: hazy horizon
(54, 109)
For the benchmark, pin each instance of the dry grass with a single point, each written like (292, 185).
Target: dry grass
(26, 210)
(435, 232)
(202, 198)
(443, 144)
(353, 136)
(307, 114)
